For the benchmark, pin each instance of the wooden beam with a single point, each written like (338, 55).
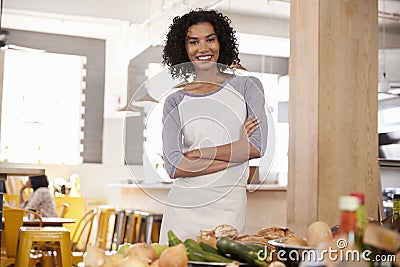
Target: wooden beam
(333, 137)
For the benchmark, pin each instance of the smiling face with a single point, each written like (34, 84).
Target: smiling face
(202, 45)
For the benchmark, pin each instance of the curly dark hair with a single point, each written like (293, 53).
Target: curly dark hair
(175, 52)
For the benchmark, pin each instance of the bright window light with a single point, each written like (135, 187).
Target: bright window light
(42, 109)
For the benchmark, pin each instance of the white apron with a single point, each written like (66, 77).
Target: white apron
(191, 208)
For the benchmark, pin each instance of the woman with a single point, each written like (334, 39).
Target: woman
(41, 198)
(211, 128)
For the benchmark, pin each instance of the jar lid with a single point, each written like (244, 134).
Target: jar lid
(349, 203)
(396, 196)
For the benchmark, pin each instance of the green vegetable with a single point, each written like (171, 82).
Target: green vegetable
(194, 256)
(159, 248)
(173, 240)
(241, 251)
(210, 257)
(190, 243)
(208, 248)
(255, 247)
(123, 248)
(196, 253)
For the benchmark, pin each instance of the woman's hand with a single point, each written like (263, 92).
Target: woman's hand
(25, 186)
(22, 202)
(250, 125)
(225, 152)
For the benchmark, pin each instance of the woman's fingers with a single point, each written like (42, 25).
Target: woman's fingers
(251, 130)
(250, 125)
(250, 122)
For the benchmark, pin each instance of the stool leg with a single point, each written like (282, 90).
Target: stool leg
(117, 232)
(155, 235)
(22, 258)
(114, 236)
(124, 224)
(120, 228)
(142, 229)
(131, 229)
(66, 254)
(34, 258)
(149, 229)
(58, 256)
(48, 259)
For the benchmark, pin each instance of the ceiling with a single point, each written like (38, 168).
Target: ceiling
(138, 11)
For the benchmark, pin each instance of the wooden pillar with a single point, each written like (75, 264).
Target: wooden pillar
(333, 137)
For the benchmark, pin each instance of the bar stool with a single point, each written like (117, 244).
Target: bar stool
(28, 236)
(130, 226)
(119, 229)
(147, 232)
(104, 226)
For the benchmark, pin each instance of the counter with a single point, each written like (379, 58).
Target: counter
(266, 204)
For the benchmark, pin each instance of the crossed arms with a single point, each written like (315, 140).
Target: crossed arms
(213, 159)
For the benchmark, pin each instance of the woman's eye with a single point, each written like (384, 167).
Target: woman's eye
(193, 42)
(211, 40)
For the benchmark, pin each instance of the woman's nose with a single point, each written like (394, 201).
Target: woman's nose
(203, 46)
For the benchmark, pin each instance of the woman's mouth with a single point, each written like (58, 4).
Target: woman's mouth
(204, 58)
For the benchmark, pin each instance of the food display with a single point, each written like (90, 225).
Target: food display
(214, 247)
(225, 230)
(264, 235)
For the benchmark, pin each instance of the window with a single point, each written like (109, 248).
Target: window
(42, 108)
(94, 51)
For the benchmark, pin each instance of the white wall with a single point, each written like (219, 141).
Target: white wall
(390, 177)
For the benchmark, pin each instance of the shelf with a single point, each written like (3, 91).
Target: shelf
(389, 163)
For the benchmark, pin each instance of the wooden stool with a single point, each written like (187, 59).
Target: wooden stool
(105, 226)
(149, 229)
(119, 228)
(28, 236)
(131, 226)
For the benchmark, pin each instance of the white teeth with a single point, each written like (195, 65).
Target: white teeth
(204, 57)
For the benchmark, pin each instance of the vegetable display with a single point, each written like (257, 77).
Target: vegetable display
(243, 252)
(228, 251)
(178, 254)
